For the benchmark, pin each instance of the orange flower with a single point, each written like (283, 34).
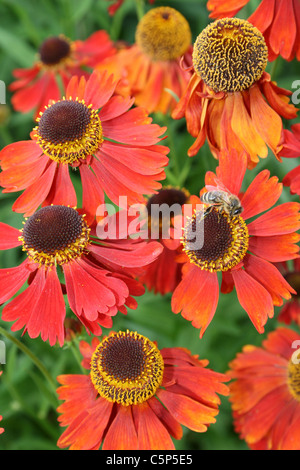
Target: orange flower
(242, 250)
(153, 64)
(278, 20)
(112, 144)
(64, 256)
(230, 99)
(291, 149)
(265, 394)
(136, 396)
(58, 59)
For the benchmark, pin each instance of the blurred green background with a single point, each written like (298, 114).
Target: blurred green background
(27, 388)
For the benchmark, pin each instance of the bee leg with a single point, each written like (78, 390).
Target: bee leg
(207, 211)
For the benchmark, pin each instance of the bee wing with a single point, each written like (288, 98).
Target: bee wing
(219, 186)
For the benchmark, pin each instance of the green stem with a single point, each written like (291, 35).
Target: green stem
(274, 68)
(75, 350)
(140, 9)
(32, 356)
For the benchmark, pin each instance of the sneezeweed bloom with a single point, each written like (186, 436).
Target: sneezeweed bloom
(230, 100)
(112, 144)
(65, 256)
(136, 396)
(291, 149)
(164, 274)
(58, 59)
(240, 248)
(290, 312)
(278, 20)
(265, 393)
(153, 64)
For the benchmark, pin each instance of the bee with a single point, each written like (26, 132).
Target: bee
(227, 202)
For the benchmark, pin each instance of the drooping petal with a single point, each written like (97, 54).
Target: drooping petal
(188, 412)
(92, 193)
(266, 121)
(269, 276)
(12, 279)
(62, 191)
(75, 390)
(87, 429)
(283, 31)
(196, 296)
(121, 434)
(254, 298)
(244, 129)
(48, 314)
(152, 435)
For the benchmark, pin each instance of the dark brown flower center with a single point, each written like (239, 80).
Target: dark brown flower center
(126, 368)
(54, 234)
(53, 50)
(161, 207)
(68, 131)
(64, 121)
(214, 241)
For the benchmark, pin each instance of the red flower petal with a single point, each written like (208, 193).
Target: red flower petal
(30, 97)
(263, 15)
(254, 298)
(12, 279)
(99, 89)
(133, 126)
(35, 194)
(18, 153)
(62, 191)
(9, 237)
(261, 194)
(91, 296)
(75, 390)
(87, 429)
(92, 193)
(245, 130)
(196, 297)
(48, 314)
(277, 248)
(280, 220)
(165, 417)
(18, 177)
(231, 170)
(188, 412)
(266, 121)
(152, 435)
(283, 30)
(121, 434)
(269, 276)
(141, 254)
